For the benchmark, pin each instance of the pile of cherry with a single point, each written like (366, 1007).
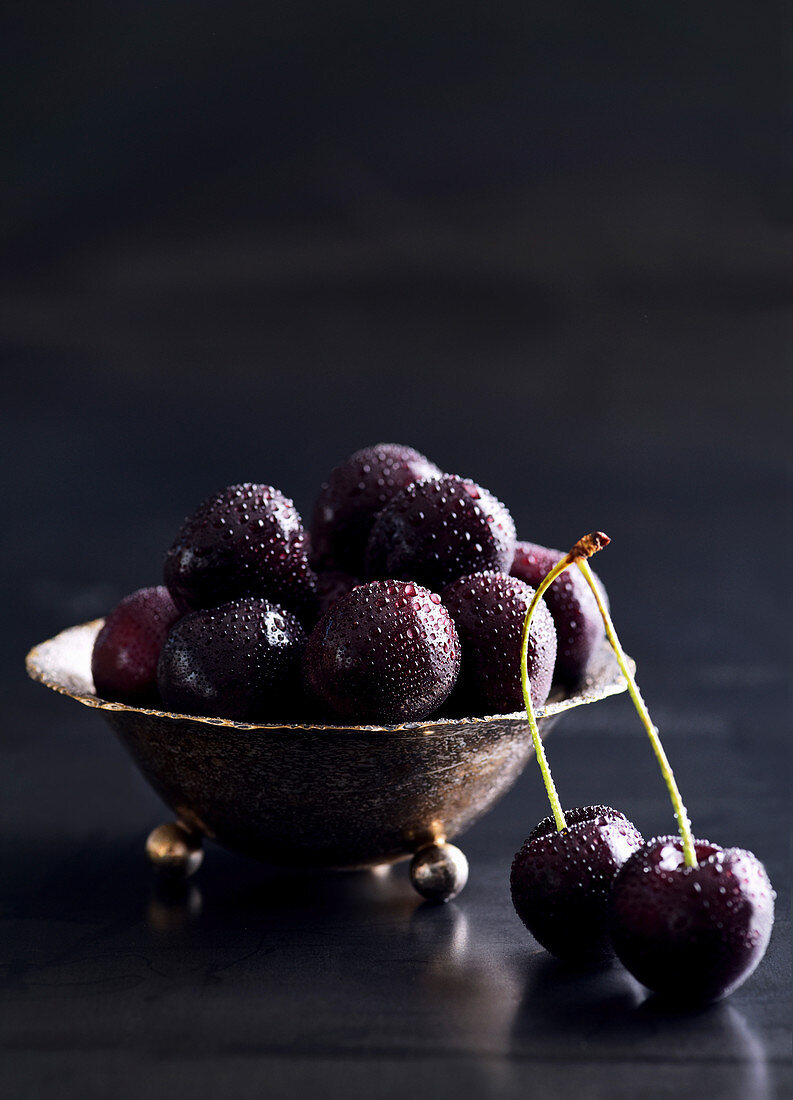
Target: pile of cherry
(410, 598)
(407, 595)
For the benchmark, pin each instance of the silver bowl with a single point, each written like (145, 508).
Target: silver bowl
(318, 795)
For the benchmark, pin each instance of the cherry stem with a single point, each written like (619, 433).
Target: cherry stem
(681, 813)
(583, 549)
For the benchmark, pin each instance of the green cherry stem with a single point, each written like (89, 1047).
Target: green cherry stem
(681, 813)
(583, 549)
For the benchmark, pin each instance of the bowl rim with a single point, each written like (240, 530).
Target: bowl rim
(589, 692)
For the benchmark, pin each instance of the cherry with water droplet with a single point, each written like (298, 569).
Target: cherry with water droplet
(388, 651)
(352, 496)
(239, 661)
(437, 530)
(561, 879)
(245, 541)
(691, 934)
(489, 610)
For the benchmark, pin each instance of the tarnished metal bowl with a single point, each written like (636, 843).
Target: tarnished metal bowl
(311, 795)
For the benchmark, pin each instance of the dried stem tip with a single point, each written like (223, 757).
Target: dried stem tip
(587, 546)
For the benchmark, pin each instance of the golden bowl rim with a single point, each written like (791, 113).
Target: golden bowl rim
(426, 726)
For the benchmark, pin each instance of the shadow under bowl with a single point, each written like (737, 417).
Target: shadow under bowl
(319, 795)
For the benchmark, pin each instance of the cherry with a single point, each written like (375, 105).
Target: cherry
(388, 651)
(246, 540)
(579, 627)
(127, 648)
(561, 879)
(240, 661)
(353, 495)
(691, 933)
(488, 610)
(437, 530)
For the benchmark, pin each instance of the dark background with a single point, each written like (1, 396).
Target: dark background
(548, 245)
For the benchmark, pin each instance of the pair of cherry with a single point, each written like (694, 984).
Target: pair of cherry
(689, 919)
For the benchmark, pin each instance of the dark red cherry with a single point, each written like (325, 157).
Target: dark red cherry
(437, 530)
(240, 661)
(561, 880)
(488, 610)
(127, 648)
(246, 540)
(353, 495)
(691, 934)
(579, 626)
(386, 652)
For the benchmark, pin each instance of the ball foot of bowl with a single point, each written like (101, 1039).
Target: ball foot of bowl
(174, 850)
(439, 872)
